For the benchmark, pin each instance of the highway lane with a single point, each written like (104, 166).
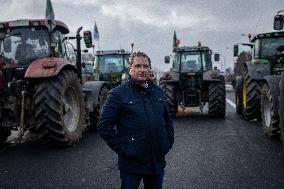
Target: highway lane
(208, 153)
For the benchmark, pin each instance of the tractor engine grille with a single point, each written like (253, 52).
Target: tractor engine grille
(190, 82)
(190, 86)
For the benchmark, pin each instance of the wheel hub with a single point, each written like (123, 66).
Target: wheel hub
(71, 109)
(67, 108)
(244, 95)
(267, 110)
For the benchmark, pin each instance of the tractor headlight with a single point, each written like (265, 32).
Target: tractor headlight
(123, 76)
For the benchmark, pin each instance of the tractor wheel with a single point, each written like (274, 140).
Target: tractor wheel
(251, 98)
(269, 114)
(171, 97)
(281, 107)
(217, 99)
(59, 109)
(94, 116)
(4, 135)
(238, 95)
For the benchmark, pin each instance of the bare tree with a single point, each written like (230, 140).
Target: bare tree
(244, 56)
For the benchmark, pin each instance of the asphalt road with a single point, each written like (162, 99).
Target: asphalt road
(208, 153)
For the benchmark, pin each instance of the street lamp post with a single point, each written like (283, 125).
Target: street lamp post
(223, 64)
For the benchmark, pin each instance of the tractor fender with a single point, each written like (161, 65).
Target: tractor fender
(92, 90)
(2, 81)
(170, 81)
(239, 82)
(170, 76)
(257, 71)
(273, 83)
(47, 67)
(211, 75)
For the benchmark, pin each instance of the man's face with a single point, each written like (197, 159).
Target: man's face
(139, 70)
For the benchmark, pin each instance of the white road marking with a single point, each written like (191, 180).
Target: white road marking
(231, 103)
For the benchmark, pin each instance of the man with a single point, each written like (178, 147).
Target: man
(135, 123)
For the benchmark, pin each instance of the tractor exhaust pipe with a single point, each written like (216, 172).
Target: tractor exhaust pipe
(78, 58)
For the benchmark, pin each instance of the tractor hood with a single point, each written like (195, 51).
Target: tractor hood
(46, 67)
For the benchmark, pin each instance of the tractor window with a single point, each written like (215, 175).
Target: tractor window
(70, 52)
(111, 63)
(256, 50)
(207, 63)
(269, 45)
(191, 62)
(58, 45)
(88, 69)
(23, 45)
(125, 60)
(176, 62)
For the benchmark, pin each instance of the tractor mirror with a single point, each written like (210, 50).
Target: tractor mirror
(167, 59)
(216, 57)
(7, 44)
(83, 65)
(280, 48)
(88, 39)
(278, 22)
(236, 50)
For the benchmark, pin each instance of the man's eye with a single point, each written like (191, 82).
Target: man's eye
(140, 66)
(137, 66)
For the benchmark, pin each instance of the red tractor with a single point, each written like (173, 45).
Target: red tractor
(40, 82)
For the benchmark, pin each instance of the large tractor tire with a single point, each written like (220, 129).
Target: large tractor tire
(171, 97)
(217, 99)
(238, 95)
(251, 98)
(281, 107)
(4, 135)
(269, 112)
(94, 116)
(59, 109)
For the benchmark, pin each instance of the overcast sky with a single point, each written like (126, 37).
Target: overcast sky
(150, 24)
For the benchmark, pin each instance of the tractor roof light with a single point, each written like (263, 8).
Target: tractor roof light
(177, 41)
(199, 44)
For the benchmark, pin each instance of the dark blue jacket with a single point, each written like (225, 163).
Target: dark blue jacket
(135, 123)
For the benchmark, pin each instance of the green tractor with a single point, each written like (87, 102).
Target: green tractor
(278, 25)
(272, 90)
(257, 90)
(111, 67)
(109, 70)
(192, 81)
(263, 63)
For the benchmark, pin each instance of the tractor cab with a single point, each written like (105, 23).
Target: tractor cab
(191, 59)
(23, 41)
(265, 48)
(111, 66)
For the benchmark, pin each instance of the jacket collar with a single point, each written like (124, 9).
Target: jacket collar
(149, 84)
